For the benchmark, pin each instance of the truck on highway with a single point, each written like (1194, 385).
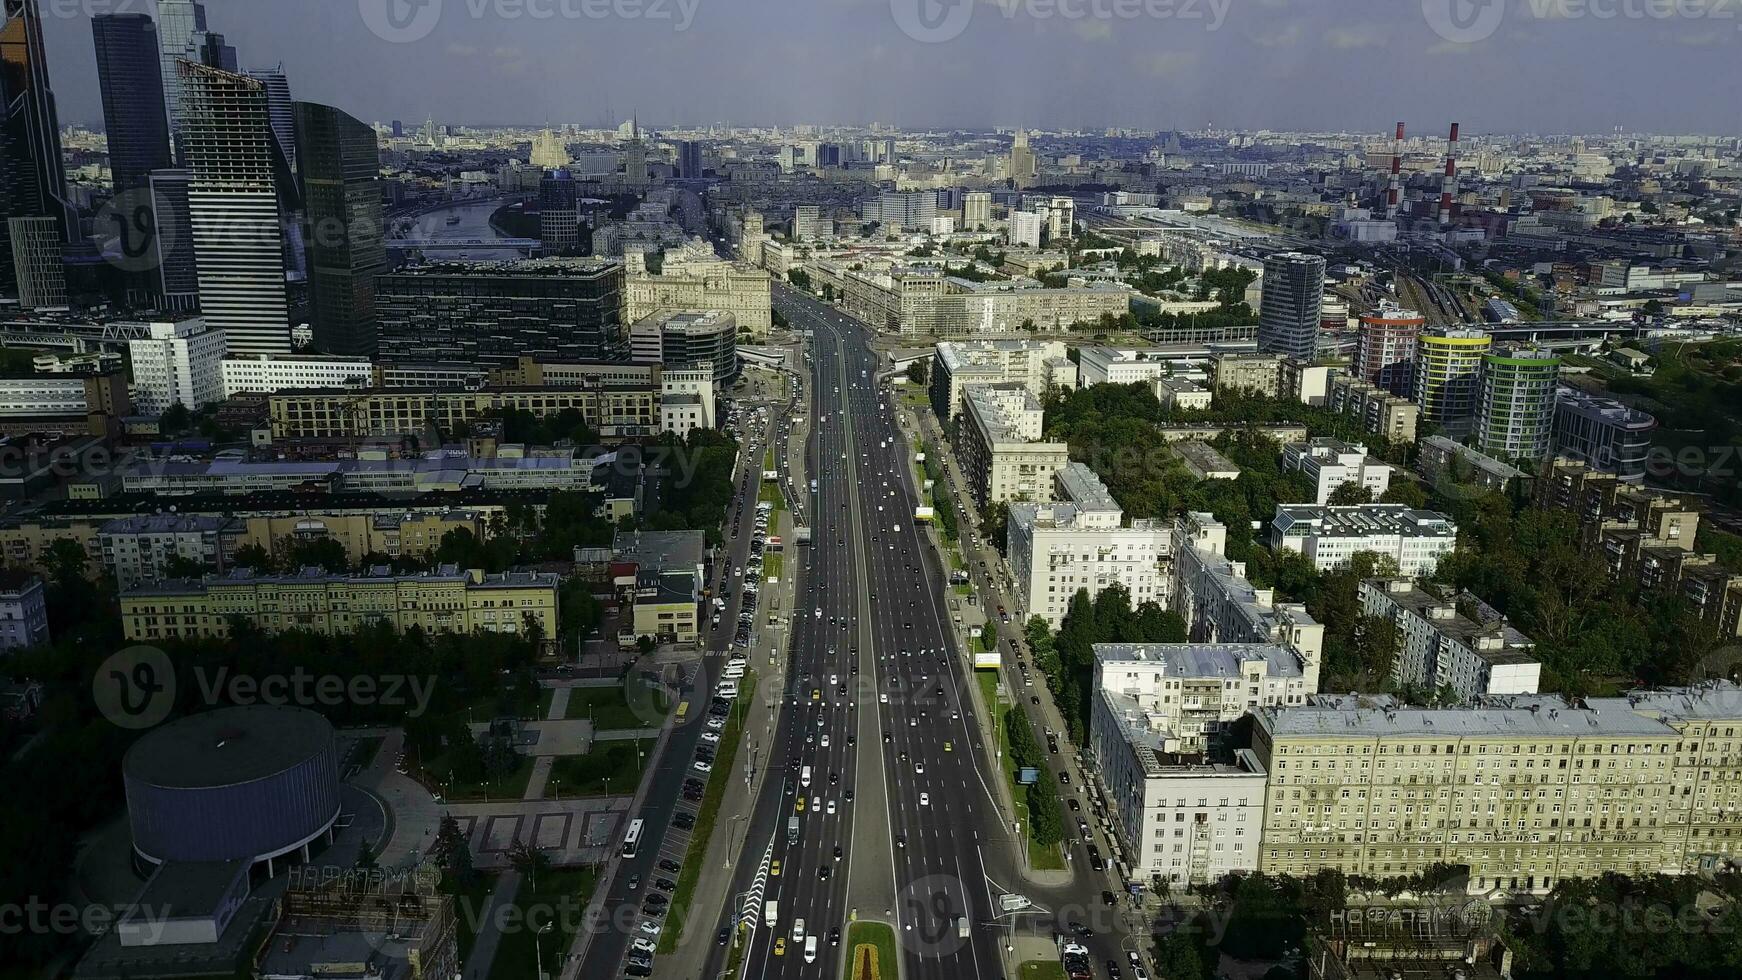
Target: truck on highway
(792, 830)
(770, 914)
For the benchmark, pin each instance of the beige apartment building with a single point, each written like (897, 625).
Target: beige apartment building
(448, 600)
(694, 281)
(1526, 790)
(616, 412)
(998, 442)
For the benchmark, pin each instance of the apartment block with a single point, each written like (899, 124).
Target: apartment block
(1182, 817)
(1604, 433)
(998, 443)
(448, 600)
(1525, 790)
(957, 364)
(142, 548)
(1459, 642)
(614, 411)
(1332, 463)
(1211, 593)
(1330, 537)
(23, 610)
(1100, 365)
(1441, 459)
(1233, 372)
(1381, 412)
(1057, 549)
(267, 374)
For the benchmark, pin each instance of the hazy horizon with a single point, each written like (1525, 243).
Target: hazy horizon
(1538, 67)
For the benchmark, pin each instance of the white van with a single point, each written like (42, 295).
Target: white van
(804, 777)
(733, 672)
(810, 949)
(728, 689)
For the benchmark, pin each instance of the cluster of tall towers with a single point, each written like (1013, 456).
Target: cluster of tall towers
(225, 190)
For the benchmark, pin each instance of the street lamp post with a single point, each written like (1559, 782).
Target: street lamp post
(538, 949)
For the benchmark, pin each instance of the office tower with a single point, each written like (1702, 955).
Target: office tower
(33, 182)
(976, 210)
(689, 160)
(1294, 295)
(1385, 348)
(1516, 418)
(398, 129)
(234, 208)
(129, 74)
(559, 220)
(176, 280)
(550, 309)
(36, 258)
(1448, 377)
(1023, 168)
(340, 164)
(282, 113)
(181, 36)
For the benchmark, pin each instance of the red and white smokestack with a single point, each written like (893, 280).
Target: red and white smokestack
(1449, 185)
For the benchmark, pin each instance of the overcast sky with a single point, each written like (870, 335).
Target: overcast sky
(1357, 65)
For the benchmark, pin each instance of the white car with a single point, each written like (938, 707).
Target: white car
(831, 809)
(816, 803)
(919, 769)
(701, 766)
(647, 946)
(883, 699)
(716, 723)
(650, 928)
(710, 736)
(925, 799)
(825, 741)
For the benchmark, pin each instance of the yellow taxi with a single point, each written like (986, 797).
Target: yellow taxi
(816, 694)
(801, 804)
(948, 747)
(780, 946)
(774, 870)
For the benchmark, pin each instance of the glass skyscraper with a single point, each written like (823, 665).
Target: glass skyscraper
(33, 181)
(132, 86)
(340, 166)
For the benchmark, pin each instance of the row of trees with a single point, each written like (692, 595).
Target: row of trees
(1045, 816)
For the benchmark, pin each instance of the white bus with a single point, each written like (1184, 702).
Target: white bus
(632, 840)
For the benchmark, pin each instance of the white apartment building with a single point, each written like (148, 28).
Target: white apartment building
(1330, 537)
(23, 610)
(269, 373)
(1331, 463)
(1109, 365)
(1197, 691)
(998, 445)
(1182, 394)
(1057, 549)
(180, 362)
(1026, 228)
(1183, 819)
(693, 279)
(691, 389)
(957, 364)
(138, 549)
(1461, 643)
(1211, 593)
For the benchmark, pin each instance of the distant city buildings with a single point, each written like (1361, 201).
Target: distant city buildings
(1604, 433)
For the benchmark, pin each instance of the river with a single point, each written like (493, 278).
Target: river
(474, 223)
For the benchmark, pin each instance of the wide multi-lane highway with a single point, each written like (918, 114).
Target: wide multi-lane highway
(898, 823)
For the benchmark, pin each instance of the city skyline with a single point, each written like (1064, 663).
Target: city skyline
(1287, 65)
